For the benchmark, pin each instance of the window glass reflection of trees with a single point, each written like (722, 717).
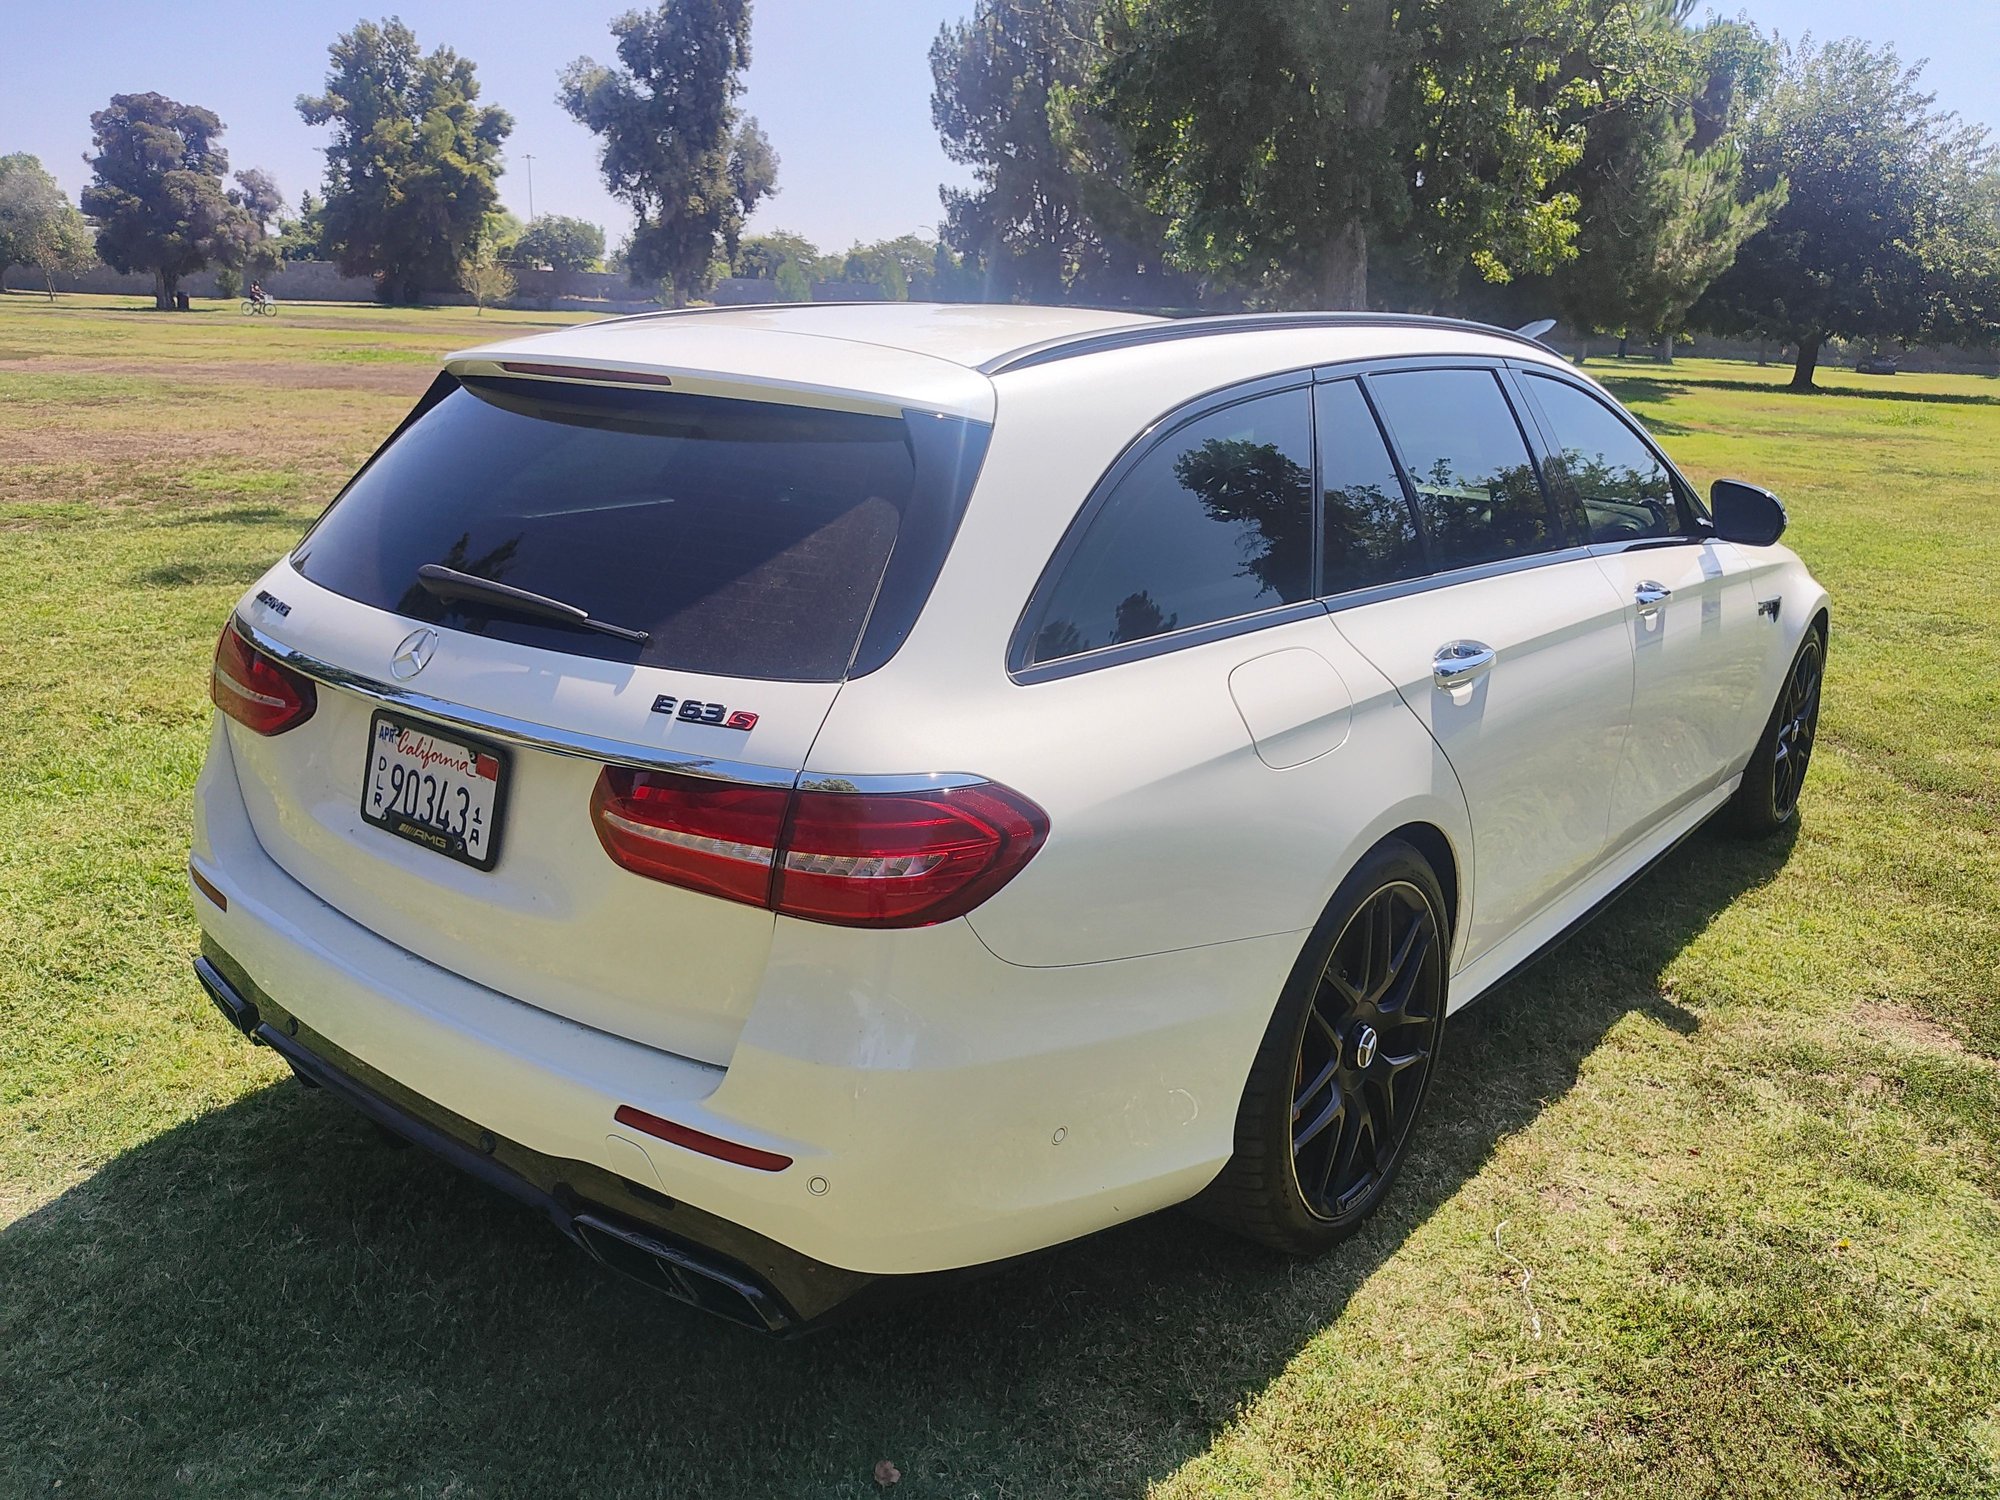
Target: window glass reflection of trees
(1624, 490)
(1475, 483)
(1216, 522)
(1369, 534)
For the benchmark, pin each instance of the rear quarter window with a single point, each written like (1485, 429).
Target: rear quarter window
(1213, 522)
(747, 539)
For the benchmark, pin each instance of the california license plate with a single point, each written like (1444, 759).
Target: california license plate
(435, 788)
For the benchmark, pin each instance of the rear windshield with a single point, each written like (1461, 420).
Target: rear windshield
(747, 539)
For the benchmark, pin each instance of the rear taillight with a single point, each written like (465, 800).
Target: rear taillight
(858, 859)
(254, 690)
(707, 835)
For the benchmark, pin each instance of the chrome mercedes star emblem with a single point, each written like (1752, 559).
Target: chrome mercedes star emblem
(1364, 1047)
(414, 654)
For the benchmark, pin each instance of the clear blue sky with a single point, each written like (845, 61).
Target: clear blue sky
(843, 90)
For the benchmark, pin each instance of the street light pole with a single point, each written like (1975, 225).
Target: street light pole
(529, 158)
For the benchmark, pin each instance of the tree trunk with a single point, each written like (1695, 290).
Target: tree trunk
(164, 287)
(1666, 348)
(1808, 361)
(1343, 276)
(1763, 353)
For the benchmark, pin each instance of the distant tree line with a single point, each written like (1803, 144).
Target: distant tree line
(1611, 161)
(1617, 162)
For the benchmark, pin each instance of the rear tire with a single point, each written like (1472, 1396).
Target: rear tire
(1768, 798)
(1333, 1096)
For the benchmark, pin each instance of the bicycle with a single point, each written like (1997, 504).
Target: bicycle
(266, 307)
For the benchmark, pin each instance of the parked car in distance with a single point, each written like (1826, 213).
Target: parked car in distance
(820, 795)
(1876, 364)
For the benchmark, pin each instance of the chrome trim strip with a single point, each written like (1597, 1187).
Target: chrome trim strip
(517, 731)
(1184, 638)
(939, 781)
(589, 746)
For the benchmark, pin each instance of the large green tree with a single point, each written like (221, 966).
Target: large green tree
(671, 135)
(411, 170)
(558, 242)
(1053, 209)
(753, 177)
(1288, 140)
(39, 227)
(1889, 229)
(156, 191)
(1664, 205)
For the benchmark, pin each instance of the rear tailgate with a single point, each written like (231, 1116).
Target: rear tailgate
(554, 923)
(750, 554)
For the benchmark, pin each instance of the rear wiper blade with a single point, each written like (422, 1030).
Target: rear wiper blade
(449, 584)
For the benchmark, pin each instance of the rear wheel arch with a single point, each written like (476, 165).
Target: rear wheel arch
(1435, 845)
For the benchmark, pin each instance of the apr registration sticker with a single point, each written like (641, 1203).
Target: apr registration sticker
(435, 788)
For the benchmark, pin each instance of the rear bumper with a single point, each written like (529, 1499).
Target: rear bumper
(692, 1256)
(942, 1109)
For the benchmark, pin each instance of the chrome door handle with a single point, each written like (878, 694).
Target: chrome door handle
(1651, 596)
(1458, 662)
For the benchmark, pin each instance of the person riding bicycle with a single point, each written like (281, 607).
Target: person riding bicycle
(257, 293)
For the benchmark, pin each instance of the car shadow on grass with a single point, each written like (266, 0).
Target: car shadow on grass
(269, 1297)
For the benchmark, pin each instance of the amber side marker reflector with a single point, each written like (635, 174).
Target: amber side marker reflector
(586, 372)
(701, 1140)
(207, 889)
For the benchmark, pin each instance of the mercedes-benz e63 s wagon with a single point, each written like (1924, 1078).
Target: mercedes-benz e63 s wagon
(822, 794)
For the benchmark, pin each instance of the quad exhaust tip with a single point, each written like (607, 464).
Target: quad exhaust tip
(237, 1011)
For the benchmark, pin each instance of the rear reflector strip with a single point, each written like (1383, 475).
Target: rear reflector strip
(701, 1140)
(207, 888)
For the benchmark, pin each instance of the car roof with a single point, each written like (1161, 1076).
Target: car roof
(887, 356)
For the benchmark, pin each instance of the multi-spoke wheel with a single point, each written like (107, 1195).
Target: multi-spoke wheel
(1769, 796)
(1336, 1087)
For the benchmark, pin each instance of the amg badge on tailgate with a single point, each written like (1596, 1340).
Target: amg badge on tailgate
(694, 711)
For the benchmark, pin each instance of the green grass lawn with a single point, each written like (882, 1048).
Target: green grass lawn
(1708, 1202)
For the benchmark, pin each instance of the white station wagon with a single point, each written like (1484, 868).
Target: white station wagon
(815, 795)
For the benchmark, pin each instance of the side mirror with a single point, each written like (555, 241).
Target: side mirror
(1744, 513)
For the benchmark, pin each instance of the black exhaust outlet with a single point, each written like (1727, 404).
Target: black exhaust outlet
(237, 1011)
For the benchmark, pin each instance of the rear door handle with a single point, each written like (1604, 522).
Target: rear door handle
(1458, 662)
(1651, 596)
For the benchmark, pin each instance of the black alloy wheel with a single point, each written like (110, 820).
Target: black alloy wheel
(1768, 798)
(1364, 1056)
(1346, 1060)
(1797, 726)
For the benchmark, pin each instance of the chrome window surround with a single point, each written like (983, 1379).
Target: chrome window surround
(1217, 630)
(1197, 407)
(580, 746)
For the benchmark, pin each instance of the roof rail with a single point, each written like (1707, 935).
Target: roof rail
(1070, 345)
(730, 307)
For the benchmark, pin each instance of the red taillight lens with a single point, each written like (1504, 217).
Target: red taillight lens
(870, 859)
(710, 836)
(859, 859)
(254, 690)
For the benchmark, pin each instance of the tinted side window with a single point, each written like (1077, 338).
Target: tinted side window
(1214, 522)
(1368, 533)
(1624, 490)
(1475, 483)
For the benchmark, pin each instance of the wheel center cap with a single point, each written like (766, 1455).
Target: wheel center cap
(1365, 1043)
